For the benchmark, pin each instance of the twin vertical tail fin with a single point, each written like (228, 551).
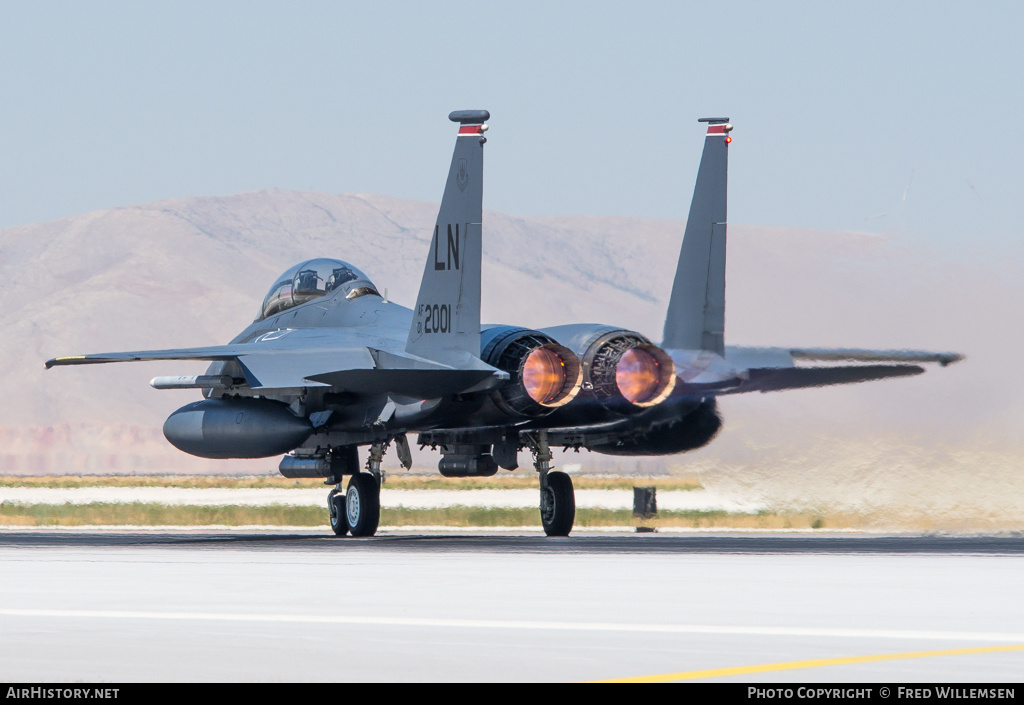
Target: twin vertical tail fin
(446, 320)
(696, 309)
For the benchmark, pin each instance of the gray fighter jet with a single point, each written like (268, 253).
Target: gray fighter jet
(330, 365)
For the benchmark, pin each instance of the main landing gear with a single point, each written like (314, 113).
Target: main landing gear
(357, 511)
(362, 504)
(557, 498)
(336, 507)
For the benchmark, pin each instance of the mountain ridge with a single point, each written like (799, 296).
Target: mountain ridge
(193, 271)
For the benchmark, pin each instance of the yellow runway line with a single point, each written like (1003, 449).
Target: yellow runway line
(813, 663)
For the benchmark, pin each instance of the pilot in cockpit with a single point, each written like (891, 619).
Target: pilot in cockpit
(306, 282)
(310, 280)
(339, 276)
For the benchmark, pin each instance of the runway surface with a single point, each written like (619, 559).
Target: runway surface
(300, 607)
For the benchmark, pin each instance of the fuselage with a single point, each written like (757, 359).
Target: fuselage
(368, 321)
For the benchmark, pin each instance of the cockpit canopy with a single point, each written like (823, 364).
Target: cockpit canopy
(312, 279)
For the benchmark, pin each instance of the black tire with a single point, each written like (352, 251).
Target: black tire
(336, 508)
(558, 512)
(362, 505)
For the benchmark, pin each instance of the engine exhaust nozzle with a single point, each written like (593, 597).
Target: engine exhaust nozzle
(645, 375)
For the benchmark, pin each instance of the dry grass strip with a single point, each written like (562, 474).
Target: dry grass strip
(149, 514)
(522, 479)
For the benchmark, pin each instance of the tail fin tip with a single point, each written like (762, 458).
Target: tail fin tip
(467, 117)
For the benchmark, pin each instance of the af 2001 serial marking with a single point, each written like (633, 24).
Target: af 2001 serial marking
(438, 318)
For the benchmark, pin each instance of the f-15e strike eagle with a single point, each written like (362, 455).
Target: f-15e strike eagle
(329, 365)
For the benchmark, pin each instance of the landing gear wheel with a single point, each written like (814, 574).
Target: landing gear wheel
(336, 507)
(362, 504)
(557, 505)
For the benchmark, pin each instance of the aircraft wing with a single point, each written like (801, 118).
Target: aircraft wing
(780, 379)
(213, 352)
(857, 355)
(777, 369)
(287, 341)
(355, 369)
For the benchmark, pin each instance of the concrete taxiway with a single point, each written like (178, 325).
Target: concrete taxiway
(286, 606)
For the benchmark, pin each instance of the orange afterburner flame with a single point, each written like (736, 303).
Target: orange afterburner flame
(638, 376)
(543, 375)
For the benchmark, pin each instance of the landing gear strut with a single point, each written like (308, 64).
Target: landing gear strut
(362, 501)
(356, 511)
(557, 498)
(343, 461)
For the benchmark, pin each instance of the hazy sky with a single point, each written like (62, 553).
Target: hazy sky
(894, 117)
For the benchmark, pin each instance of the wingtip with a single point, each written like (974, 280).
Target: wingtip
(68, 360)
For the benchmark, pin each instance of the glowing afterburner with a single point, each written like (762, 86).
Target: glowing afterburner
(543, 375)
(645, 375)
